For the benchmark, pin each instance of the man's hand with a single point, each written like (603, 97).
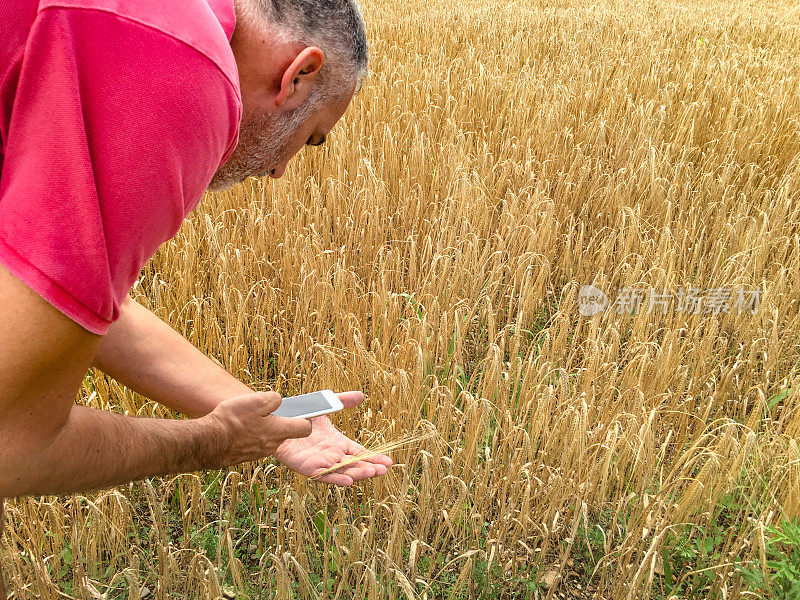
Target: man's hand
(327, 446)
(250, 430)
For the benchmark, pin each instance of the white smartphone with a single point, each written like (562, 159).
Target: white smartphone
(309, 405)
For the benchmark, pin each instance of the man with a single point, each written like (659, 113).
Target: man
(115, 116)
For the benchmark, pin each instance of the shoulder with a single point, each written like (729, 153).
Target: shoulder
(193, 22)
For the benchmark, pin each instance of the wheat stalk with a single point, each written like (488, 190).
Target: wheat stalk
(383, 448)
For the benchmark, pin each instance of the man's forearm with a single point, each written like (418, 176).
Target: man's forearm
(147, 355)
(98, 449)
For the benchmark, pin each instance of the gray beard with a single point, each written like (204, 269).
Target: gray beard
(263, 144)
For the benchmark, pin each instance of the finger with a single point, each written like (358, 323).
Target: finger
(380, 459)
(271, 400)
(294, 427)
(362, 470)
(323, 424)
(354, 448)
(339, 479)
(351, 399)
(380, 470)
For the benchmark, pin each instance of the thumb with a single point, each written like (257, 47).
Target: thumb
(271, 400)
(295, 427)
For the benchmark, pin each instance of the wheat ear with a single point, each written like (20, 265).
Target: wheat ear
(383, 448)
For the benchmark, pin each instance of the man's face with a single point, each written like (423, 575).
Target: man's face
(268, 140)
(280, 85)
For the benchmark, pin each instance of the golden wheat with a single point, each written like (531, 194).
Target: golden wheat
(499, 157)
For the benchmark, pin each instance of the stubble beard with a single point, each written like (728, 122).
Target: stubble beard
(263, 144)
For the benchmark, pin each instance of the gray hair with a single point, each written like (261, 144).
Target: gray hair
(335, 26)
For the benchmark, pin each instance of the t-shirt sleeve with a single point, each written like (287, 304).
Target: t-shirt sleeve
(115, 132)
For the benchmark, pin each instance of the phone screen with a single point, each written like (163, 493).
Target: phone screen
(302, 405)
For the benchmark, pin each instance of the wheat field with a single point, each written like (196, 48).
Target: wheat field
(499, 157)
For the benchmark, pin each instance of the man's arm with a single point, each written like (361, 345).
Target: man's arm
(144, 353)
(96, 449)
(49, 445)
(148, 356)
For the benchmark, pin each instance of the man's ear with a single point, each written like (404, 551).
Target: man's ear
(299, 78)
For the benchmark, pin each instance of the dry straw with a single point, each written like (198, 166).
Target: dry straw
(383, 448)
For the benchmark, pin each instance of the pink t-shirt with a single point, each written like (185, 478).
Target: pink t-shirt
(114, 116)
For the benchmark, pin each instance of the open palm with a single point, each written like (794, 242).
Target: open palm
(327, 446)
